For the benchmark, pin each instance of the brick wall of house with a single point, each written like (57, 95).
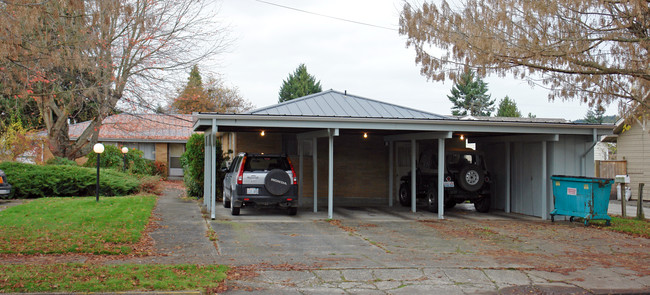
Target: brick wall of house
(161, 153)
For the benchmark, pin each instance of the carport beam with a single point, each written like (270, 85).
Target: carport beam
(390, 174)
(213, 175)
(507, 207)
(544, 196)
(330, 178)
(315, 164)
(441, 174)
(413, 176)
(300, 168)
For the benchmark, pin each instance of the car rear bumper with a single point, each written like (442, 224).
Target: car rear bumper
(263, 198)
(5, 191)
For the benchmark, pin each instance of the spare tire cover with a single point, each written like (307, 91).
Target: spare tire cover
(277, 182)
(471, 178)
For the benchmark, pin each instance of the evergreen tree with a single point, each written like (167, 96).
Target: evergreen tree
(298, 84)
(595, 115)
(193, 97)
(469, 96)
(508, 108)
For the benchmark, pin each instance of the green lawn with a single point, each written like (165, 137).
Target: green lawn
(75, 225)
(108, 278)
(626, 225)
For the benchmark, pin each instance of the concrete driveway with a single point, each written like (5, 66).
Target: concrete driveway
(380, 250)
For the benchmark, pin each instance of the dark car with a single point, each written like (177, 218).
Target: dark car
(466, 179)
(5, 187)
(259, 180)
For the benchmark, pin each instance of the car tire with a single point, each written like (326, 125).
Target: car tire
(226, 202)
(404, 195)
(482, 204)
(277, 182)
(292, 211)
(432, 200)
(234, 210)
(471, 178)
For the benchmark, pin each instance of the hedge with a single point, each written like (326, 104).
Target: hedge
(193, 160)
(112, 157)
(35, 181)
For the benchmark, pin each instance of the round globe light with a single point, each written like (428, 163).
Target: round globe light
(98, 148)
(125, 150)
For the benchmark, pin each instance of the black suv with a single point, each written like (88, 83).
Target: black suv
(260, 180)
(466, 178)
(5, 187)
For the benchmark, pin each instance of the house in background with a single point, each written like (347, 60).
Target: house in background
(161, 137)
(633, 146)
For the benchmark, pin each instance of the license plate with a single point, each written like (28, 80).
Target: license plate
(4, 191)
(252, 190)
(448, 184)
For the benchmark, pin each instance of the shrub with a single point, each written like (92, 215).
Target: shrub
(161, 169)
(34, 181)
(61, 161)
(193, 163)
(193, 160)
(112, 157)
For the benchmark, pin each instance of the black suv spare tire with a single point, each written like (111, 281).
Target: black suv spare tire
(277, 182)
(471, 178)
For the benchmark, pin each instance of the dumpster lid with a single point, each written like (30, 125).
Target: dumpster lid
(580, 178)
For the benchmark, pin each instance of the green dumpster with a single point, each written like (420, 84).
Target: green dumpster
(584, 197)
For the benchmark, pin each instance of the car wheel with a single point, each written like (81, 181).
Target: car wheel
(226, 202)
(404, 195)
(277, 182)
(471, 178)
(292, 211)
(432, 200)
(234, 210)
(482, 204)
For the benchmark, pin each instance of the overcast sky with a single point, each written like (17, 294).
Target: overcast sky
(270, 42)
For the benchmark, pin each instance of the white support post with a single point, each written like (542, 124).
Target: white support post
(300, 166)
(206, 168)
(315, 161)
(390, 174)
(508, 176)
(213, 176)
(330, 178)
(544, 196)
(441, 175)
(413, 177)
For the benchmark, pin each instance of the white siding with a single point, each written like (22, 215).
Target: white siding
(634, 146)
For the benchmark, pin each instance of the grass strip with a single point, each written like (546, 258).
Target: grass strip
(75, 225)
(108, 278)
(626, 225)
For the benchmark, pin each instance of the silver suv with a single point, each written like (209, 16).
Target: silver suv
(259, 180)
(5, 187)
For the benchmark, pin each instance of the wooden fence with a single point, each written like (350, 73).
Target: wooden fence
(609, 169)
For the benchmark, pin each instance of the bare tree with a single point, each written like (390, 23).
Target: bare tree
(593, 51)
(74, 54)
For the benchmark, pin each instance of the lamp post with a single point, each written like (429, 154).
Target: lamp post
(125, 150)
(99, 149)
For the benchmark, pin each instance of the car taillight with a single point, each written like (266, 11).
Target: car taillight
(448, 178)
(240, 174)
(293, 172)
(487, 179)
(2, 180)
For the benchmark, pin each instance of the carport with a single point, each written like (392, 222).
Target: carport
(524, 152)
